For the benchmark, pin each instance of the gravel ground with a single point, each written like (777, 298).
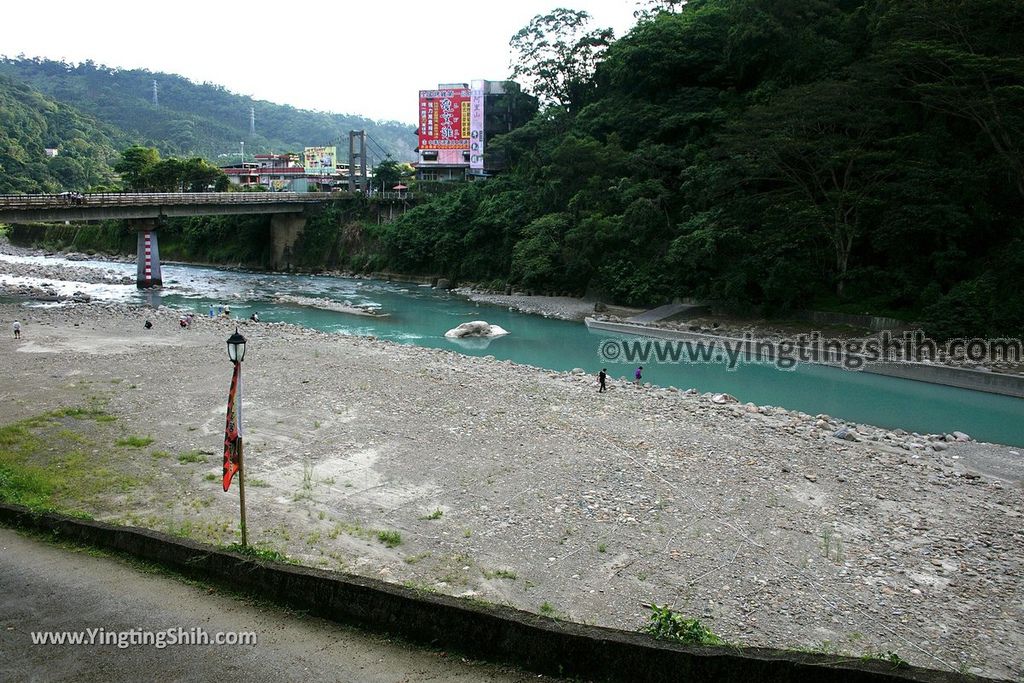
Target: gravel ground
(517, 485)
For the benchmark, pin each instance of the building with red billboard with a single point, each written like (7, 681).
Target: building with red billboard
(455, 121)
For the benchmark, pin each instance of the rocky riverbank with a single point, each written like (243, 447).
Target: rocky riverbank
(517, 485)
(562, 307)
(19, 277)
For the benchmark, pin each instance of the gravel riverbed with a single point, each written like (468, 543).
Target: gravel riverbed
(518, 485)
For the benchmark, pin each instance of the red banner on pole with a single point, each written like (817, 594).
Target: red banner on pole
(232, 432)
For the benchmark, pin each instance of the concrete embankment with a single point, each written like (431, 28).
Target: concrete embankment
(480, 630)
(963, 378)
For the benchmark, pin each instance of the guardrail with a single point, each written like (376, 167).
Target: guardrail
(108, 199)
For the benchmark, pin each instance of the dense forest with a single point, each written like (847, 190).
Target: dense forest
(862, 156)
(30, 123)
(855, 155)
(45, 103)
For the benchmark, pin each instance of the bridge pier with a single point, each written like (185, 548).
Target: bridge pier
(285, 229)
(148, 259)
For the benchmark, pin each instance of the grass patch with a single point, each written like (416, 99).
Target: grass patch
(664, 624)
(259, 483)
(436, 514)
(160, 455)
(46, 464)
(413, 559)
(134, 441)
(83, 414)
(191, 456)
(389, 538)
(500, 574)
(259, 553)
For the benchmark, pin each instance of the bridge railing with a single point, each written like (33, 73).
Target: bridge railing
(392, 195)
(106, 199)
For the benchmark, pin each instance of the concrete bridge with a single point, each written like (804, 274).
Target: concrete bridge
(145, 211)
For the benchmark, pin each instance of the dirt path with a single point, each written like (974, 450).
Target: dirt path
(47, 588)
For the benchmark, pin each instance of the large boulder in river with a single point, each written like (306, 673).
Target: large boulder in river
(476, 328)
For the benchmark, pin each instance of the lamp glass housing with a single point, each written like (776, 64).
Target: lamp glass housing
(236, 347)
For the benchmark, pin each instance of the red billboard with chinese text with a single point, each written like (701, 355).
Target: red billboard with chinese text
(444, 119)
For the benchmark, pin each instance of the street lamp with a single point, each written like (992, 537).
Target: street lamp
(233, 428)
(236, 347)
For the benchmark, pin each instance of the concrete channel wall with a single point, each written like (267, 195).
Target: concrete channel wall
(963, 378)
(480, 630)
(871, 322)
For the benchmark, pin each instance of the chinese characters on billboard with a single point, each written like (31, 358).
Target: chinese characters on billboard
(319, 160)
(476, 126)
(444, 119)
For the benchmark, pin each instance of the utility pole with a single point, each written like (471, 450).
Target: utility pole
(242, 144)
(252, 121)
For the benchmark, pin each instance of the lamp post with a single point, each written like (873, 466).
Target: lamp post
(233, 428)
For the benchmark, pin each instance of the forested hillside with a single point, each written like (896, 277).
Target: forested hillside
(30, 123)
(195, 119)
(857, 155)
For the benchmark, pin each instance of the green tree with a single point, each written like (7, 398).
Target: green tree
(387, 174)
(135, 166)
(198, 175)
(816, 158)
(962, 59)
(164, 176)
(556, 55)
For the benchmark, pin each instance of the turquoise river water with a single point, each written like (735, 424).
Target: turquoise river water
(419, 315)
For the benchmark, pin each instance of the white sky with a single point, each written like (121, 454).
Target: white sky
(365, 58)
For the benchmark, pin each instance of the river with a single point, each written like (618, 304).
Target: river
(411, 314)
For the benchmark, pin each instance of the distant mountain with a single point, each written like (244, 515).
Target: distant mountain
(194, 119)
(31, 123)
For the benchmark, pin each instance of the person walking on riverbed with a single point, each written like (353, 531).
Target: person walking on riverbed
(17, 329)
(602, 378)
(638, 375)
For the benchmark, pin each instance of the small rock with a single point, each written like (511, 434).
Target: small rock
(844, 434)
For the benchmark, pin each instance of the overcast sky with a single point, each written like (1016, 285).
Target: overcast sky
(365, 58)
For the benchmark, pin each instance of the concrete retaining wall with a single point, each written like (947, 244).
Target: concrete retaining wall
(871, 322)
(488, 632)
(962, 378)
